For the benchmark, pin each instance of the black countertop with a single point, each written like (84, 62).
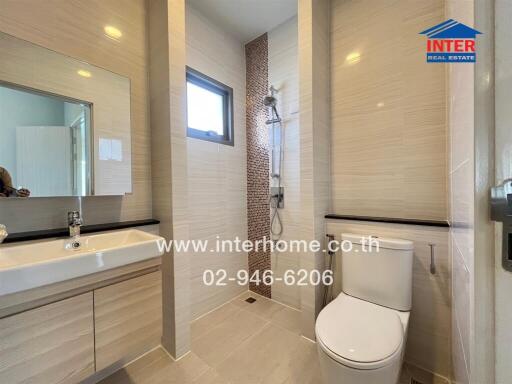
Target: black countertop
(60, 232)
(391, 220)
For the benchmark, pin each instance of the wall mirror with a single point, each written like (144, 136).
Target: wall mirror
(64, 125)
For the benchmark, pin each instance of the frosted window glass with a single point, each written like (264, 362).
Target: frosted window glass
(205, 109)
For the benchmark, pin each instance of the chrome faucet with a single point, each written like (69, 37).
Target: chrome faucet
(3, 233)
(74, 223)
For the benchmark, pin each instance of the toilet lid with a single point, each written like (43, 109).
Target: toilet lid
(359, 331)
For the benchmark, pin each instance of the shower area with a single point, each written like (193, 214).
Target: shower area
(273, 154)
(256, 188)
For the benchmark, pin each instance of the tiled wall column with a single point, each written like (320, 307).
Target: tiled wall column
(484, 344)
(169, 163)
(258, 208)
(462, 200)
(314, 109)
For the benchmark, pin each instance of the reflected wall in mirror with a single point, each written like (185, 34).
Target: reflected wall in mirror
(44, 144)
(64, 125)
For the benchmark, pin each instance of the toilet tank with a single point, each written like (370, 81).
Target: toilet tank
(380, 272)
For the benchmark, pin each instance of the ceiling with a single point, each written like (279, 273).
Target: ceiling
(246, 19)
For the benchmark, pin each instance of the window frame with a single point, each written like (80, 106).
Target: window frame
(200, 79)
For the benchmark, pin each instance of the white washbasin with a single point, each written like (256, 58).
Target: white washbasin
(32, 265)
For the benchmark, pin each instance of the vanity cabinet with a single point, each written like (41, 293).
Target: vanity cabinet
(128, 319)
(50, 344)
(82, 330)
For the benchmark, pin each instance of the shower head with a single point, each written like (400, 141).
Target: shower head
(270, 101)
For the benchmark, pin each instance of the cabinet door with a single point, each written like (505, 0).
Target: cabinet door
(128, 319)
(48, 345)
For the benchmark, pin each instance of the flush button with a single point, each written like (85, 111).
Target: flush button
(507, 247)
(510, 247)
(501, 210)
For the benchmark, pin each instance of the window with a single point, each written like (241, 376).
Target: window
(209, 109)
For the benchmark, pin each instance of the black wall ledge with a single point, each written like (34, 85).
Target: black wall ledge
(389, 220)
(61, 232)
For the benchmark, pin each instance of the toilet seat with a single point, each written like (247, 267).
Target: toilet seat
(359, 334)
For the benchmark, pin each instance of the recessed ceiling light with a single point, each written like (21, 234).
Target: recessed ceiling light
(380, 105)
(113, 32)
(353, 57)
(84, 73)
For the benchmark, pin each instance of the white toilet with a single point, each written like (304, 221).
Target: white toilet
(361, 335)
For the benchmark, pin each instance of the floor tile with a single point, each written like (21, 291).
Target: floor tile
(185, 370)
(157, 367)
(271, 356)
(262, 307)
(211, 377)
(410, 371)
(139, 370)
(216, 345)
(204, 324)
(301, 367)
(287, 318)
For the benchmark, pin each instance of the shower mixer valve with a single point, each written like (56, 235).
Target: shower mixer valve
(277, 197)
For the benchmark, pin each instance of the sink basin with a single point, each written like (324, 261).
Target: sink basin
(33, 265)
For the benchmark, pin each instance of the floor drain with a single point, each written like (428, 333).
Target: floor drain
(251, 300)
(414, 381)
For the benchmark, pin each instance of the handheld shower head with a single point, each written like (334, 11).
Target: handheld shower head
(270, 101)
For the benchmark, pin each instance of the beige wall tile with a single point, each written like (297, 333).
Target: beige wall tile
(389, 154)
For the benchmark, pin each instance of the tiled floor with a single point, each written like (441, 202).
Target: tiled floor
(239, 343)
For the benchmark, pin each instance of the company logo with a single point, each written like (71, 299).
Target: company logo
(451, 42)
